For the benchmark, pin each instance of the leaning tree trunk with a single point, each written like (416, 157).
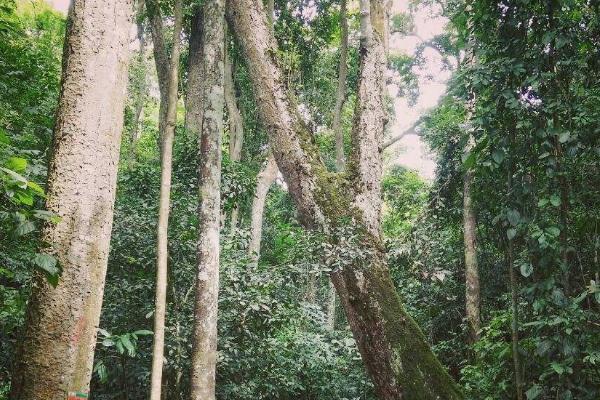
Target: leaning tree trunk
(395, 352)
(265, 179)
(168, 85)
(211, 92)
(57, 350)
(236, 127)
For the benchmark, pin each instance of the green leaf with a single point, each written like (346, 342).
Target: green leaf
(17, 164)
(553, 230)
(514, 217)
(533, 392)
(564, 137)
(4, 137)
(558, 368)
(143, 332)
(36, 188)
(526, 269)
(24, 228)
(498, 156)
(555, 200)
(48, 264)
(511, 233)
(128, 345)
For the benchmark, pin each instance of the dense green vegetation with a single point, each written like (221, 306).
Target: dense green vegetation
(531, 102)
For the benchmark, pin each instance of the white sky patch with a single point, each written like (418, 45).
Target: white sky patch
(410, 151)
(60, 5)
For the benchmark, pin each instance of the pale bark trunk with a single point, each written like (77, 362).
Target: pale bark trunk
(266, 176)
(472, 295)
(57, 350)
(204, 340)
(472, 285)
(265, 179)
(168, 120)
(236, 127)
(394, 350)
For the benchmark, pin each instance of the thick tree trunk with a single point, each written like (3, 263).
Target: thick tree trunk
(265, 179)
(473, 299)
(395, 352)
(168, 119)
(236, 126)
(57, 349)
(204, 340)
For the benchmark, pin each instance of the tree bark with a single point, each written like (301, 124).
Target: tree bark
(168, 85)
(204, 340)
(236, 126)
(140, 97)
(341, 90)
(57, 350)
(473, 299)
(395, 352)
(472, 285)
(265, 179)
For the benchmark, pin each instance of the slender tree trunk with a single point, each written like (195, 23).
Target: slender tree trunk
(265, 179)
(341, 91)
(168, 120)
(339, 133)
(236, 126)
(57, 350)
(140, 97)
(472, 285)
(395, 352)
(204, 340)
(473, 299)
(514, 324)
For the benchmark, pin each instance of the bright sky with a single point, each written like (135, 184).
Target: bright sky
(410, 151)
(61, 5)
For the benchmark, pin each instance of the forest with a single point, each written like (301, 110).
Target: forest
(300, 199)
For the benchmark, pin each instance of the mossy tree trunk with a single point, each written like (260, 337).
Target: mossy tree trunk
(57, 350)
(395, 352)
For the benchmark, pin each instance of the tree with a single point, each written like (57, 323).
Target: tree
(168, 78)
(393, 348)
(57, 349)
(210, 124)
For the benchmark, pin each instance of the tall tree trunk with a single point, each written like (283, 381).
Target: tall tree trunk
(57, 350)
(265, 179)
(236, 126)
(140, 96)
(473, 299)
(204, 340)
(472, 285)
(168, 85)
(341, 91)
(394, 350)
(339, 133)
